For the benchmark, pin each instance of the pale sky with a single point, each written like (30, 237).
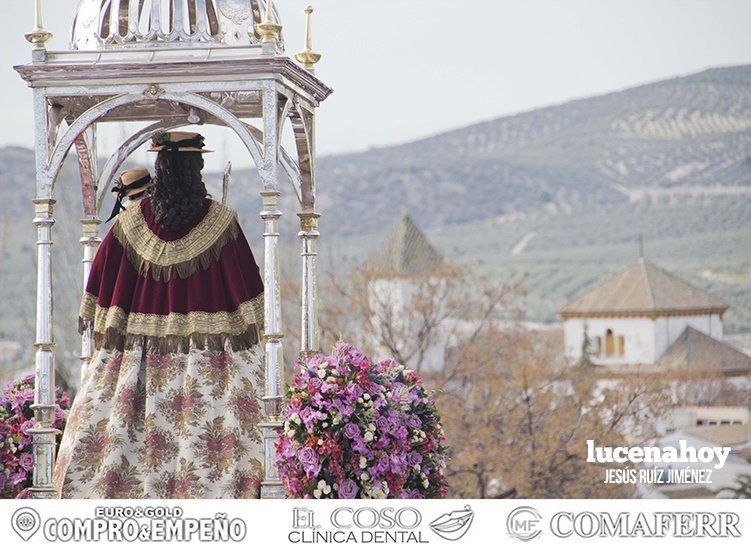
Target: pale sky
(404, 69)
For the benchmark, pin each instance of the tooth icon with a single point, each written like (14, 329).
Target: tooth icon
(454, 525)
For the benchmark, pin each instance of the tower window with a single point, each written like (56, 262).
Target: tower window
(609, 343)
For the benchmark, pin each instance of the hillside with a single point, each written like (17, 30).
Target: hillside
(557, 196)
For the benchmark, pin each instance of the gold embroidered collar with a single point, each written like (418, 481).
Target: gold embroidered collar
(202, 245)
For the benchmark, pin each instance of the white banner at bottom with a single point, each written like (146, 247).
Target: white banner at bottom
(374, 522)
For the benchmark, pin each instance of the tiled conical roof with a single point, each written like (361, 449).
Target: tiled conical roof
(695, 350)
(643, 289)
(406, 252)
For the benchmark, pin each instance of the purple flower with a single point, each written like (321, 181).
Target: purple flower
(26, 461)
(18, 477)
(20, 398)
(353, 390)
(348, 489)
(326, 406)
(351, 431)
(308, 456)
(311, 471)
(414, 422)
(315, 383)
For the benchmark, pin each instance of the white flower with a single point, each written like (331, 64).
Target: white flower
(363, 462)
(321, 484)
(320, 441)
(364, 476)
(371, 427)
(366, 396)
(377, 493)
(324, 364)
(325, 425)
(317, 493)
(368, 436)
(322, 373)
(291, 434)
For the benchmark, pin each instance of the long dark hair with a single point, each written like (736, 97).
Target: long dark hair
(179, 189)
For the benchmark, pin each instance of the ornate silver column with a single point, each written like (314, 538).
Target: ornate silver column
(271, 486)
(43, 435)
(90, 242)
(309, 319)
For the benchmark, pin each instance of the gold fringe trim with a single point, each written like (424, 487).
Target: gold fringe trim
(87, 311)
(113, 339)
(114, 328)
(200, 247)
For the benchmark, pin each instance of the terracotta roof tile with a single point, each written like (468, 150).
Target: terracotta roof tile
(406, 252)
(643, 288)
(695, 350)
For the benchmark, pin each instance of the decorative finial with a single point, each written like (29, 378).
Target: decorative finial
(307, 57)
(641, 246)
(39, 36)
(268, 29)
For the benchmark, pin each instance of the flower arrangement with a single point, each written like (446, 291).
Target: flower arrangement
(16, 459)
(358, 429)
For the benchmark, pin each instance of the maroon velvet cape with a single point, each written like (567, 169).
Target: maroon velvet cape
(169, 290)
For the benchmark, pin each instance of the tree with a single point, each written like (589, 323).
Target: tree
(742, 488)
(585, 359)
(517, 413)
(426, 319)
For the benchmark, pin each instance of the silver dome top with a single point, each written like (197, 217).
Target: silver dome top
(106, 24)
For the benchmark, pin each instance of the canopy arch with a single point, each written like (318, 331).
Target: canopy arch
(136, 140)
(90, 116)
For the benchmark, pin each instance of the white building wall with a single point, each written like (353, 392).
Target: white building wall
(638, 333)
(646, 339)
(668, 329)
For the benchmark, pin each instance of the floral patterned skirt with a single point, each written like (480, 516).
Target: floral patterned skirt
(165, 426)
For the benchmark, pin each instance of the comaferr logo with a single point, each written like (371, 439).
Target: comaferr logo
(639, 524)
(524, 523)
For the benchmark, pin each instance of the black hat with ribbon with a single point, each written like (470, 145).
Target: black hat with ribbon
(131, 184)
(178, 141)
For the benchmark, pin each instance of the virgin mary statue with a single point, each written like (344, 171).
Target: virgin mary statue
(170, 404)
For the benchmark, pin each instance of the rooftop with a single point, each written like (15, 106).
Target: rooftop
(643, 289)
(695, 350)
(406, 252)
